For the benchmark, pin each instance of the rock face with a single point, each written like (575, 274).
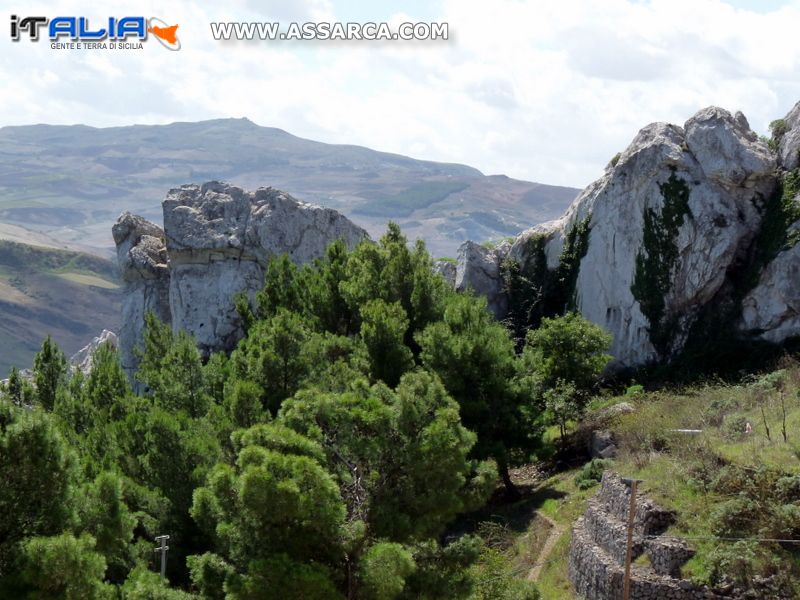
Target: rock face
(789, 146)
(82, 359)
(217, 241)
(659, 238)
(478, 269)
(446, 269)
(142, 260)
(771, 311)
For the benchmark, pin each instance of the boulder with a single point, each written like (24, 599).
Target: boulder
(601, 444)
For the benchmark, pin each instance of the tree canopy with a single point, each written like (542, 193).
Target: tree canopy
(366, 408)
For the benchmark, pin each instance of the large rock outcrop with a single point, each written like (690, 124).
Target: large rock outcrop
(83, 359)
(142, 260)
(217, 241)
(646, 249)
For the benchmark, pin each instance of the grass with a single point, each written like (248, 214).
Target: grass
(405, 202)
(87, 279)
(553, 582)
(679, 469)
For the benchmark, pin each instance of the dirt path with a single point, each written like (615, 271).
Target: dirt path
(555, 532)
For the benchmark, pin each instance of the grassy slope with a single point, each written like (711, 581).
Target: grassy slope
(68, 295)
(678, 468)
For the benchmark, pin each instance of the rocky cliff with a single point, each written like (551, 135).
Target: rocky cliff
(685, 222)
(216, 242)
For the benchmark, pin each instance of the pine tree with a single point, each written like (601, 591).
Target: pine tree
(49, 372)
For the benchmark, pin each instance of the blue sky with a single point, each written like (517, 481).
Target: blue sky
(546, 90)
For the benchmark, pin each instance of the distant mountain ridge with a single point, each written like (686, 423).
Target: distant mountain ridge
(72, 182)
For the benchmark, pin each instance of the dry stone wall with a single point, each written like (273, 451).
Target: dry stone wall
(599, 544)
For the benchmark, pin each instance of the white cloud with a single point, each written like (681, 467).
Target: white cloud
(546, 90)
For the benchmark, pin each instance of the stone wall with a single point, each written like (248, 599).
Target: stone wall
(599, 542)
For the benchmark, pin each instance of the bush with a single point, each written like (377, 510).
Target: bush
(634, 390)
(591, 473)
(734, 427)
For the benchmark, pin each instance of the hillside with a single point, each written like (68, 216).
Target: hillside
(731, 492)
(73, 181)
(68, 295)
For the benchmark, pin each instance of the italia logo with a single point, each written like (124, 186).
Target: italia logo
(113, 29)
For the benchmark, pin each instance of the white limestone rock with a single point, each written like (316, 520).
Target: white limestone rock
(789, 146)
(82, 359)
(142, 260)
(446, 269)
(478, 269)
(728, 172)
(771, 311)
(219, 240)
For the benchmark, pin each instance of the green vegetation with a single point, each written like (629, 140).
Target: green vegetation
(732, 491)
(778, 214)
(49, 260)
(654, 266)
(536, 292)
(778, 129)
(403, 203)
(560, 364)
(591, 473)
(367, 409)
(372, 436)
(712, 346)
(615, 159)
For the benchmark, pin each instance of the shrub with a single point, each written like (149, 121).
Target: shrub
(591, 473)
(734, 426)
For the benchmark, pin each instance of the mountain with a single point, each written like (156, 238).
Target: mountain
(68, 295)
(72, 182)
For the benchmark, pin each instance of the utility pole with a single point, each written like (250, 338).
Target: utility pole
(162, 547)
(626, 586)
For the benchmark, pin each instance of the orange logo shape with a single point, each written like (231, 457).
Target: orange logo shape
(166, 35)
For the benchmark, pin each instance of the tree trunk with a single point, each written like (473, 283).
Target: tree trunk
(511, 489)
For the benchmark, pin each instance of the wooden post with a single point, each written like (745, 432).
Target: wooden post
(626, 589)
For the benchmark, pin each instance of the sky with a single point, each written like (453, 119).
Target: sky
(541, 90)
